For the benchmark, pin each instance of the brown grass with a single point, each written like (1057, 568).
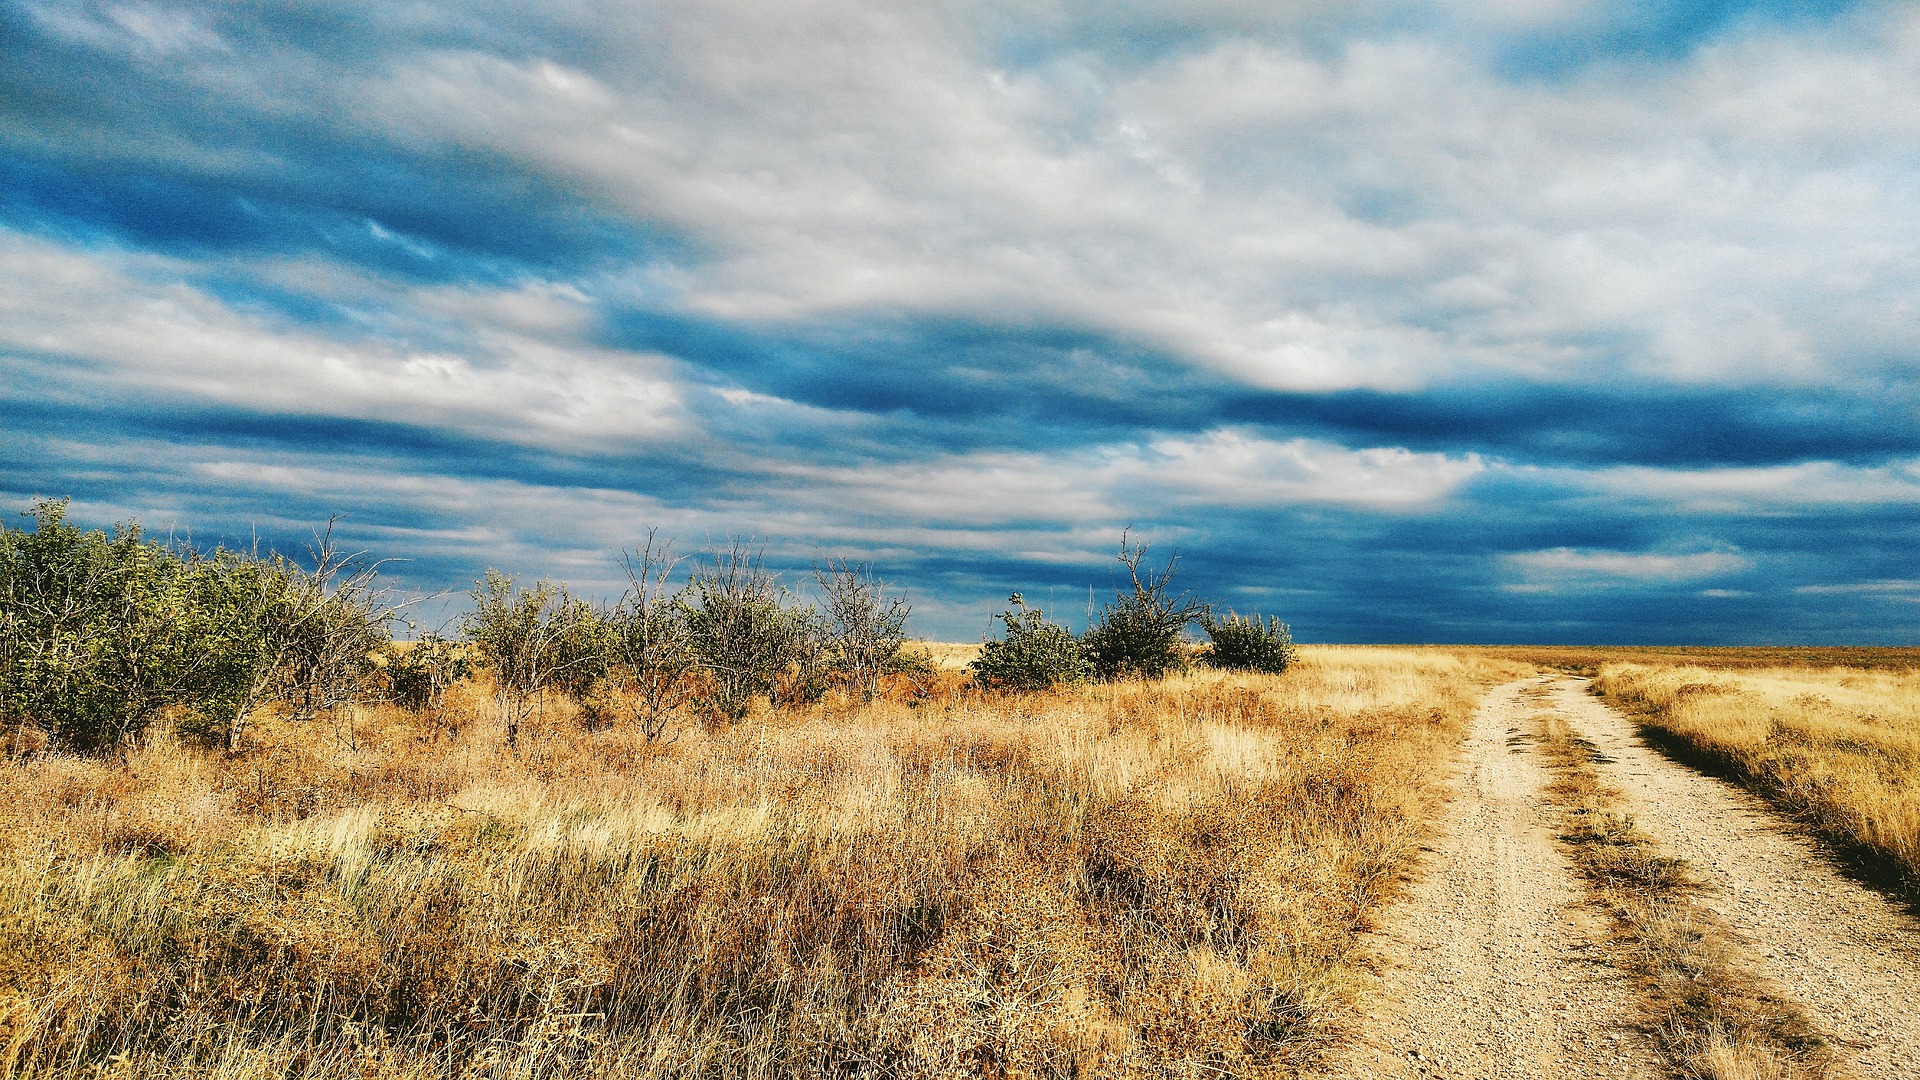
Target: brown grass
(1838, 748)
(1131, 880)
(1588, 659)
(1712, 1014)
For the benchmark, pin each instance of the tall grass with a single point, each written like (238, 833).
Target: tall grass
(1838, 747)
(1137, 879)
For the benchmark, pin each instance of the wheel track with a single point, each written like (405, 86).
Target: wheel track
(1846, 953)
(1491, 968)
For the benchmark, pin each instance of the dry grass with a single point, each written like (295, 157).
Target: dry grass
(1838, 748)
(1588, 659)
(1712, 1014)
(946, 655)
(1135, 880)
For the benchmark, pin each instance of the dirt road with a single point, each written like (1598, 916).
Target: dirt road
(1491, 967)
(1846, 953)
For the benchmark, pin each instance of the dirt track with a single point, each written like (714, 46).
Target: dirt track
(1492, 967)
(1846, 953)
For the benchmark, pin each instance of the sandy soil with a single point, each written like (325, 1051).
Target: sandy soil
(1846, 953)
(1490, 967)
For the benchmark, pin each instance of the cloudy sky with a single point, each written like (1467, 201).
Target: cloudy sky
(1491, 321)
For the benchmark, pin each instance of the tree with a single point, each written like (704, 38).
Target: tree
(1140, 632)
(865, 627)
(748, 637)
(653, 673)
(528, 638)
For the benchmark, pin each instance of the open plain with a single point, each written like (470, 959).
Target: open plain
(1384, 862)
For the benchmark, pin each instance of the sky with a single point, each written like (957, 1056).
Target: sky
(1497, 321)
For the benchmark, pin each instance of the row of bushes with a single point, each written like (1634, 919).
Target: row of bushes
(1140, 634)
(730, 635)
(103, 634)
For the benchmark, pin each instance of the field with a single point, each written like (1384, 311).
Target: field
(1164, 879)
(1212, 874)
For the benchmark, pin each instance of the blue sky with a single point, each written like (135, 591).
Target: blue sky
(1496, 321)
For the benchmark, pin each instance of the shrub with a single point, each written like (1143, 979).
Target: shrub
(417, 676)
(652, 674)
(865, 627)
(1249, 644)
(748, 636)
(1139, 635)
(99, 634)
(531, 639)
(338, 623)
(94, 639)
(1034, 654)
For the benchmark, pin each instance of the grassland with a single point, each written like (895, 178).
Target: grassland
(1837, 747)
(1122, 880)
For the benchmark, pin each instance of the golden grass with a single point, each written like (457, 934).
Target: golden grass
(1130, 880)
(946, 655)
(1839, 748)
(1711, 1013)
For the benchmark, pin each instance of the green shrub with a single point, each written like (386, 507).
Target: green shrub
(417, 676)
(1140, 634)
(1034, 654)
(94, 633)
(750, 637)
(101, 633)
(1249, 644)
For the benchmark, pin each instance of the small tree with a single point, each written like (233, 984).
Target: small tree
(748, 637)
(1249, 644)
(97, 631)
(340, 622)
(1033, 655)
(528, 638)
(1139, 633)
(418, 675)
(653, 674)
(865, 628)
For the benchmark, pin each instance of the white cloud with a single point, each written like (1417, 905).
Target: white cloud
(1556, 568)
(1384, 214)
(1873, 590)
(1105, 486)
(517, 367)
(1807, 486)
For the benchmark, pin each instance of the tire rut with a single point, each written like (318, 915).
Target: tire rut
(1846, 953)
(1492, 966)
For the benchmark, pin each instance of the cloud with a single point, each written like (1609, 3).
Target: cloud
(104, 322)
(1760, 490)
(1499, 321)
(1559, 568)
(1875, 590)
